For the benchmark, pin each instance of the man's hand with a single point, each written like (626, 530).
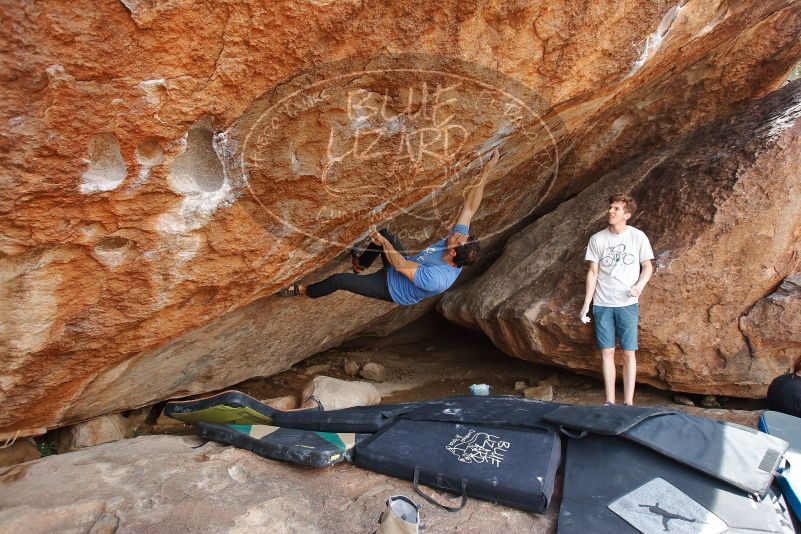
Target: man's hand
(487, 169)
(635, 291)
(583, 317)
(377, 238)
(496, 155)
(490, 164)
(405, 267)
(589, 291)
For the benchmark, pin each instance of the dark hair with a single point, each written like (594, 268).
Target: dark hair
(629, 205)
(796, 368)
(467, 254)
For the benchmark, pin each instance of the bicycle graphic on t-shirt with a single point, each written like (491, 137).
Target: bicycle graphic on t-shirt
(616, 255)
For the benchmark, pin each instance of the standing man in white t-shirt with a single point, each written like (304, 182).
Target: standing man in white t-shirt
(620, 267)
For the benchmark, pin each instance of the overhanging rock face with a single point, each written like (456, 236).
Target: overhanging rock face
(169, 164)
(722, 208)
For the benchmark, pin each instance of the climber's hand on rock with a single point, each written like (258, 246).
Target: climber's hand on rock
(377, 238)
(496, 155)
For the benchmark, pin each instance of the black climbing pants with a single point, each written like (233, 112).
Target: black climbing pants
(369, 255)
(372, 285)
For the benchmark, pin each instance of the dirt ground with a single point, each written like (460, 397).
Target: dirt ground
(432, 359)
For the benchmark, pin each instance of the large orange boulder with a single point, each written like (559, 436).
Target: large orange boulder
(167, 165)
(722, 208)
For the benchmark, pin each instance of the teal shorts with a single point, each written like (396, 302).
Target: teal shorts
(619, 322)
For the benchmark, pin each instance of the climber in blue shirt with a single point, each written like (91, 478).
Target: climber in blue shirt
(408, 280)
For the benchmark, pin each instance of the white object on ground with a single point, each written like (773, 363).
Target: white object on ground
(480, 390)
(336, 394)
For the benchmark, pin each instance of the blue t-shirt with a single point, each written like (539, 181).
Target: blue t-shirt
(432, 277)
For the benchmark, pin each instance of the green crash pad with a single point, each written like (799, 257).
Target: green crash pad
(226, 408)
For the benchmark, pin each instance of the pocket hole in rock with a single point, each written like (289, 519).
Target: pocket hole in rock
(113, 243)
(198, 168)
(112, 251)
(149, 153)
(106, 166)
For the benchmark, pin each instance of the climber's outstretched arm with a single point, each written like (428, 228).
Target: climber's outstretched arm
(475, 191)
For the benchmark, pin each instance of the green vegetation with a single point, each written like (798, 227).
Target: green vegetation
(46, 448)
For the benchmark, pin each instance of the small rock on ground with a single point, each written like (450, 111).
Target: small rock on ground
(351, 368)
(683, 400)
(103, 429)
(543, 393)
(374, 371)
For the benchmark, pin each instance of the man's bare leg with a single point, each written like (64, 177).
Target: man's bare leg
(608, 368)
(629, 375)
